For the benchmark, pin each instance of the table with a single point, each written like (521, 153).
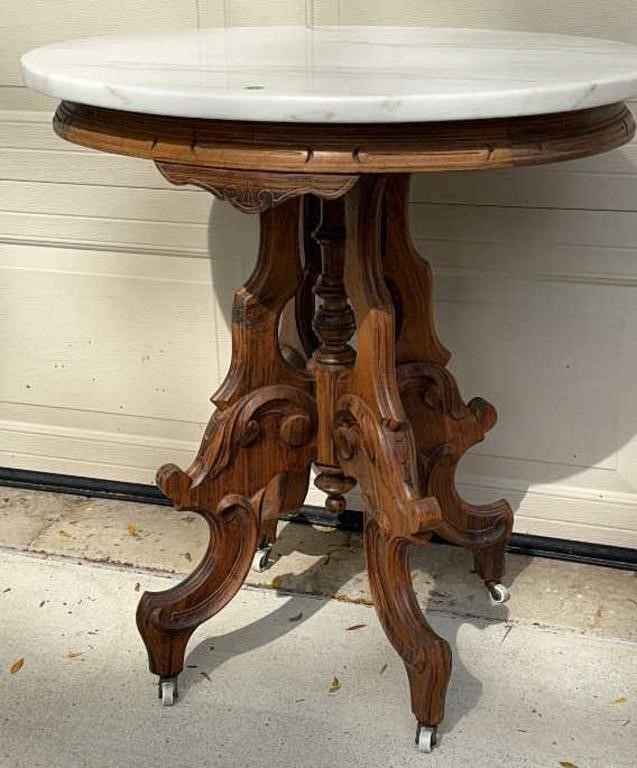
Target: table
(318, 131)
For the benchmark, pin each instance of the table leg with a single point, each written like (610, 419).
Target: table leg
(445, 426)
(376, 445)
(254, 460)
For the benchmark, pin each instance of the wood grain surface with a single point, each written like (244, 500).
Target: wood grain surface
(344, 149)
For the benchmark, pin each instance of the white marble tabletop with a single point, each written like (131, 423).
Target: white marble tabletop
(337, 74)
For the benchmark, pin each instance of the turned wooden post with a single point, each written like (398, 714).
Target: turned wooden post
(334, 325)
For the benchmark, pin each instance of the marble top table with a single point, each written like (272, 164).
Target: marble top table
(318, 131)
(337, 74)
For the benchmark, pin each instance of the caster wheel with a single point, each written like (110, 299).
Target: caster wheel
(261, 559)
(168, 691)
(498, 593)
(426, 738)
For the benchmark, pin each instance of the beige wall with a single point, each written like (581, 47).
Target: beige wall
(114, 288)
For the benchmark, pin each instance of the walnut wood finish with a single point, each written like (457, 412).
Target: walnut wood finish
(344, 149)
(388, 416)
(304, 306)
(255, 456)
(334, 325)
(444, 425)
(376, 445)
(258, 191)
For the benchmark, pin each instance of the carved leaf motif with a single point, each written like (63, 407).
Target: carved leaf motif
(256, 191)
(243, 425)
(438, 388)
(445, 428)
(384, 462)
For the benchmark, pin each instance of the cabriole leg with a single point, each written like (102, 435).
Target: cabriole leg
(375, 444)
(253, 464)
(445, 427)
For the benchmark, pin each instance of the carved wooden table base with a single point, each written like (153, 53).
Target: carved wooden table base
(387, 416)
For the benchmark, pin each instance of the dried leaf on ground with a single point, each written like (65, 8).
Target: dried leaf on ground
(64, 534)
(74, 654)
(188, 556)
(207, 676)
(298, 617)
(8, 589)
(133, 530)
(42, 602)
(336, 685)
(620, 700)
(137, 586)
(355, 626)
(16, 666)
(568, 765)
(383, 669)
(276, 582)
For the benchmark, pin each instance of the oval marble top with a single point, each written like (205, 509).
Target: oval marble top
(337, 74)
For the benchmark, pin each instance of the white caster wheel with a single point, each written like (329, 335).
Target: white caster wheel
(426, 737)
(261, 559)
(498, 593)
(168, 691)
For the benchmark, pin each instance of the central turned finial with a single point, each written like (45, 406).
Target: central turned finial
(334, 322)
(334, 325)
